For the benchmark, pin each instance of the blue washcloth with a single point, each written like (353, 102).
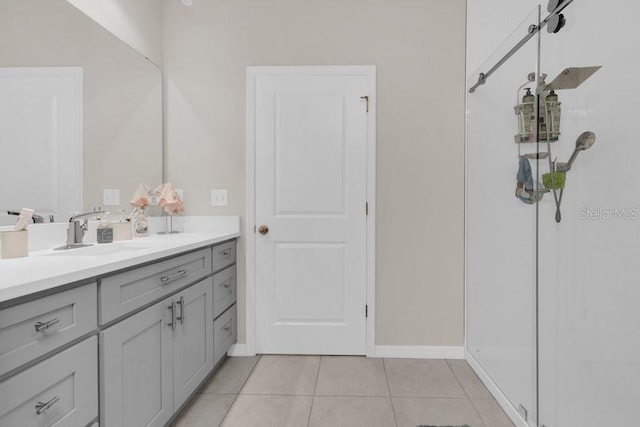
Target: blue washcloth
(524, 174)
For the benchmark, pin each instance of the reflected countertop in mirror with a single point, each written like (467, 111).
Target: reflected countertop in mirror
(121, 108)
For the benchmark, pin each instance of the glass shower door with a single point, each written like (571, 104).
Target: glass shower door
(501, 223)
(589, 262)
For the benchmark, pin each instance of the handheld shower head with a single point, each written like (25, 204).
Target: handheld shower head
(584, 142)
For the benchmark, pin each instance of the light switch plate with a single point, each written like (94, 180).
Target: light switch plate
(111, 197)
(219, 198)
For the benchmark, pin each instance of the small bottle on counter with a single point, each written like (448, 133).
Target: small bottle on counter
(140, 224)
(105, 232)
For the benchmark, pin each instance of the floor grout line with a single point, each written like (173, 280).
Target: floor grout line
(386, 379)
(431, 397)
(347, 396)
(315, 394)
(352, 395)
(477, 412)
(465, 392)
(315, 387)
(239, 390)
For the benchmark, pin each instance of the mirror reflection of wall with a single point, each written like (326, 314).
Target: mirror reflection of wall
(121, 102)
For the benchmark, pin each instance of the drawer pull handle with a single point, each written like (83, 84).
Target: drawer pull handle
(227, 329)
(181, 317)
(227, 284)
(43, 326)
(42, 407)
(226, 252)
(172, 307)
(179, 274)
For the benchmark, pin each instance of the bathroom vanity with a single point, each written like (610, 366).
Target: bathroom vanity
(121, 334)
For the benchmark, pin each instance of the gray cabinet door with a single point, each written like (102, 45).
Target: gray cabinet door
(136, 369)
(192, 339)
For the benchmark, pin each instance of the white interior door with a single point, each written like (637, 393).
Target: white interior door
(41, 132)
(310, 191)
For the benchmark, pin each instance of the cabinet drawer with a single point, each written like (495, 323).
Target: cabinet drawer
(60, 391)
(224, 254)
(127, 291)
(225, 333)
(32, 329)
(224, 290)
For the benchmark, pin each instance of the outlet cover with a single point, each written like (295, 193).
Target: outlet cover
(219, 198)
(111, 197)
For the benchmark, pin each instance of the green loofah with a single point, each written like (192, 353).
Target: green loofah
(559, 179)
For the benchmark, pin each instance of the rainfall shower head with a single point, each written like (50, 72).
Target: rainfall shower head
(584, 142)
(571, 78)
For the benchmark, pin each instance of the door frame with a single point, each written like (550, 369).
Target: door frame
(369, 71)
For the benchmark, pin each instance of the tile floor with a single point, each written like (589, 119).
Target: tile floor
(334, 391)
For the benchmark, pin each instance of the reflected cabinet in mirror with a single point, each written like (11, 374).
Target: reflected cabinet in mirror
(80, 112)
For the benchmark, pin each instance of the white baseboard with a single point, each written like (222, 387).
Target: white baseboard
(390, 351)
(239, 350)
(502, 400)
(419, 352)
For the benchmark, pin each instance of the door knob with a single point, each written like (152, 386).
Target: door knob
(263, 229)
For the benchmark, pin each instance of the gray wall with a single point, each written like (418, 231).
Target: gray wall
(419, 49)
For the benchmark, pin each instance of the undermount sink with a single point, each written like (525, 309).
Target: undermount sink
(97, 250)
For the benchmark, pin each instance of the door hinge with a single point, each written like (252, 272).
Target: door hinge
(366, 208)
(366, 98)
(366, 311)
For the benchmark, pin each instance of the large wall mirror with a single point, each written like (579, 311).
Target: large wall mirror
(80, 112)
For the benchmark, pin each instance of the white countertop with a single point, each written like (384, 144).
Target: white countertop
(47, 269)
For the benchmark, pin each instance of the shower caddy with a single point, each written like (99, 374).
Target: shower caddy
(539, 112)
(541, 124)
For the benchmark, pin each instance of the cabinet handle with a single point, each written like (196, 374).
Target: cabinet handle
(42, 326)
(172, 307)
(227, 329)
(179, 274)
(227, 284)
(42, 407)
(181, 317)
(226, 252)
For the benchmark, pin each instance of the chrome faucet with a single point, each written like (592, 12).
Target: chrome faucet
(78, 225)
